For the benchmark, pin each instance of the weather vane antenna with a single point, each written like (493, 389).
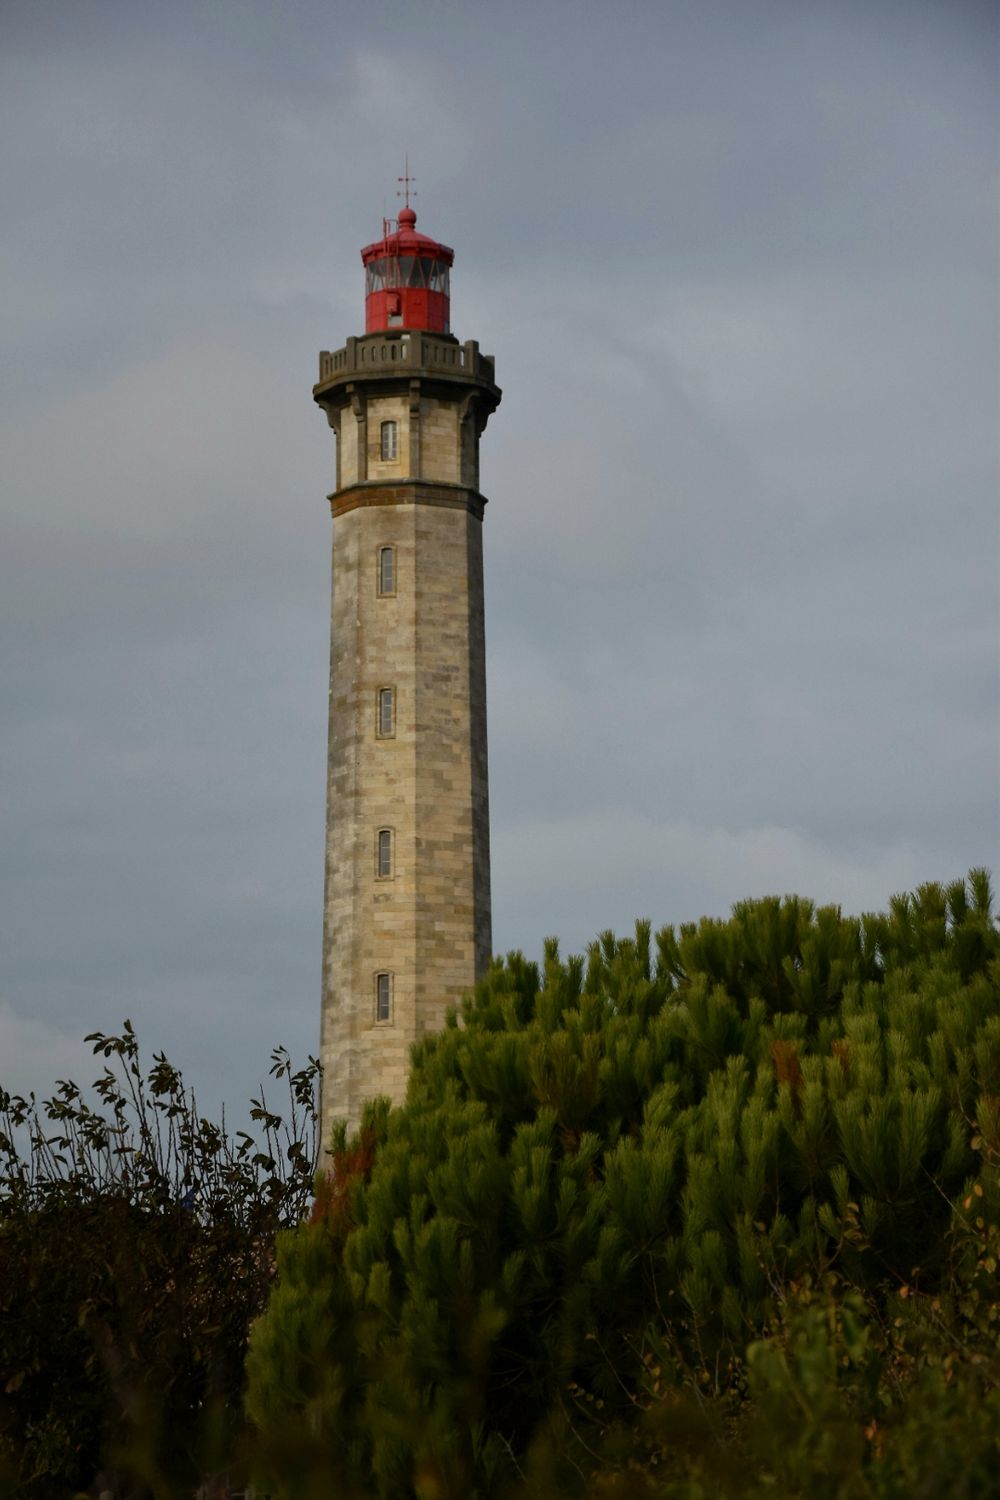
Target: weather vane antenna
(406, 179)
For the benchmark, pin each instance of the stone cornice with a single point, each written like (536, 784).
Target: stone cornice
(407, 492)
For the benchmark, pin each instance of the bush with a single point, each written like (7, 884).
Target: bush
(136, 1248)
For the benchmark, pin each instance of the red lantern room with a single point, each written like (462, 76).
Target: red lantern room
(406, 279)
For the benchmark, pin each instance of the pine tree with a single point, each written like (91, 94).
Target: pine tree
(642, 1162)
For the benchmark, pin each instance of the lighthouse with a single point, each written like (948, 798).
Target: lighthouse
(407, 889)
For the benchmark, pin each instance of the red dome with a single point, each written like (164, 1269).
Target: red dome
(407, 279)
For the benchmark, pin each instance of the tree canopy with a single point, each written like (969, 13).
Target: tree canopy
(697, 1215)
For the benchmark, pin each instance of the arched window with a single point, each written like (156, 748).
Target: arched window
(386, 713)
(390, 440)
(383, 997)
(383, 853)
(387, 570)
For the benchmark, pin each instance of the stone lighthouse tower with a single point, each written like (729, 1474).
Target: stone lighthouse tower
(407, 903)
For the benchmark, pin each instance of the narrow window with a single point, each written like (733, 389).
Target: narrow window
(390, 440)
(387, 570)
(383, 997)
(386, 713)
(383, 856)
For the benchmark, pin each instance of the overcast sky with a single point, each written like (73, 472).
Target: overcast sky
(738, 266)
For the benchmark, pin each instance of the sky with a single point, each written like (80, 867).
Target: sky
(738, 264)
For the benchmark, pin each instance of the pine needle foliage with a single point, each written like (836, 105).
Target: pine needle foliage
(679, 1187)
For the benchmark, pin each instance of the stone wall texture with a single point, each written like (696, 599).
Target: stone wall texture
(428, 923)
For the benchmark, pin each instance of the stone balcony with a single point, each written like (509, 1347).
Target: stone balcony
(407, 352)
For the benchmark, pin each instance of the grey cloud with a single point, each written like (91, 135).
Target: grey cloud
(738, 268)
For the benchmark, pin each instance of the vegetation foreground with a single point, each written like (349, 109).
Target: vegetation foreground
(711, 1215)
(715, 1215)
